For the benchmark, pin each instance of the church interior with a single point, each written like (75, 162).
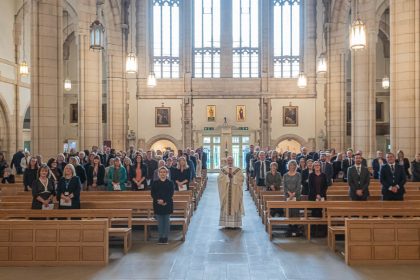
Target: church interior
(205, 85)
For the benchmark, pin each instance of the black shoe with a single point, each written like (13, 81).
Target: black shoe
(161, 241)
(165, 241)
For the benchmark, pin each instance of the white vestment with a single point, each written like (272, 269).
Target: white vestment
(231, 197)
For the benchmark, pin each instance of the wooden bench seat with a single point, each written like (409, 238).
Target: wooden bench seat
(306, 206)
(126, 214)
(336, 218)
(53, 243)
(382, 241)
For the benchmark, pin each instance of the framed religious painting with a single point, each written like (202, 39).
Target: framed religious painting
(240, 113)
(162, 117)
(211, 113)
(290, 116)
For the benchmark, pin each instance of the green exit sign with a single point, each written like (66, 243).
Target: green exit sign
(209, 128)
(243, 128)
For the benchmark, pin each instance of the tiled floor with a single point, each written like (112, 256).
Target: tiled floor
(211, 253)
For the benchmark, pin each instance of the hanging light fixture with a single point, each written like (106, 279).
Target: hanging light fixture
(97, 31)
(385, 82)
(302, 80)
(322, 64)
(151, 80)
(23, 65)
(67, 84)
(357, 32)
(67, 81)
(131, 65)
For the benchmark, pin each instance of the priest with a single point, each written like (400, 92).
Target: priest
(230, 181)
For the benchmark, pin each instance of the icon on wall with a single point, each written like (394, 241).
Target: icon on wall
(290, 116)
(240, 113)
(162, 117)
(211, 113)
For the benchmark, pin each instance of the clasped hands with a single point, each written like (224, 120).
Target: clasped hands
(161, 202)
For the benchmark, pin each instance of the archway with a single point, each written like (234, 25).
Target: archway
(288, 145)
(163, 145)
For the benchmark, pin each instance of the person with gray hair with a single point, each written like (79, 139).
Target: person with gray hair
(273, 178)
(156, 173)
(292, 182)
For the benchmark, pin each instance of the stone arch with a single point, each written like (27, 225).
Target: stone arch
(167, 137)
(5, 130)
(290, 137)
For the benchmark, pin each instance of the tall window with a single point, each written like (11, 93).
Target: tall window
(166, 38)
(286, 38)
(207, 38)
(245, 26)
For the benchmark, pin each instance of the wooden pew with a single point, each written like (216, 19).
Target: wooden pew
(382, 241)
(111, 215)
(336, 218)
(306, 207)
(53, 243)
(143, 214)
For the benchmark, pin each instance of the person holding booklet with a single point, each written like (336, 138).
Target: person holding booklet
(162, 192)
(181, 175)
(138, 174)
(43, 190)
(292, 182)
(117, 176)
(68, 189)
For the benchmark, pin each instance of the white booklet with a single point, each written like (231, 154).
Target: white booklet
(116, 187)
(49, 207)
(141, 187)
(64, 203)
(182, 188)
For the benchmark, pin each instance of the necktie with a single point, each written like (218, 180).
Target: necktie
(350, 161)
(262, 169)
(392, 168)
(358, 170)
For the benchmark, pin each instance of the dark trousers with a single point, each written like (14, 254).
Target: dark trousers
(392, 197)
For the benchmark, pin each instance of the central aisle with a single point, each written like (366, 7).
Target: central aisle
(211, 253)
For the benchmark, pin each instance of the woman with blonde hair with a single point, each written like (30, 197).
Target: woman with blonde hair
(181, 175)
(68, 189)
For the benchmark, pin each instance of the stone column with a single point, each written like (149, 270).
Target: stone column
(90, 81)
(186, 34)
(46, 58)
(226, 40)
(404, 95)
(363, 88)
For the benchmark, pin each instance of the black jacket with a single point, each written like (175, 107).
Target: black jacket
(163, 190)
(72, 186)
(29, 176)
(415, 170)
(132, 176)
(322, 188)
(81, 173)
(389, 179)
(39, 190)
(99, 177)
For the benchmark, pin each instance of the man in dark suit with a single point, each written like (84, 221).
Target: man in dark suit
(377, 163)
(327, 168)
(249, 156)
(17, 157)
(364, 161)
(303, 154)
(347, 162)
(261, 168)
(393, 178)
(358, 178)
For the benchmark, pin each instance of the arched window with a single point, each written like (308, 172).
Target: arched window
(27, 119)
(246, 38)
(286, 27)
(166, 38)
(207, 38)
